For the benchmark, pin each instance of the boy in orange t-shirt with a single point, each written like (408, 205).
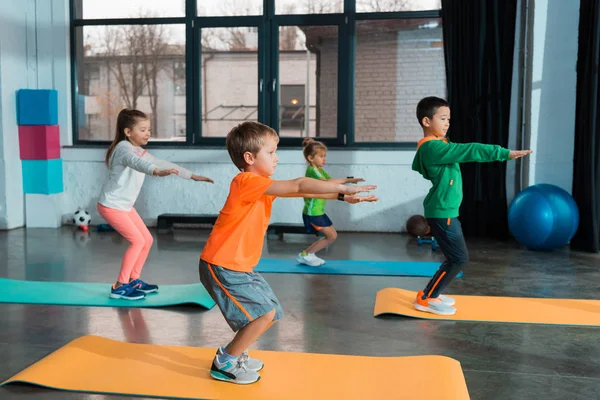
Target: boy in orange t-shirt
(235, 245)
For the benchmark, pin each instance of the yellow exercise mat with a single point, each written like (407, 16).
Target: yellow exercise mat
(495, 309)
(97, 365)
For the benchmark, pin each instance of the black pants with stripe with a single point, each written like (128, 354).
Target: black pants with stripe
(449, 235)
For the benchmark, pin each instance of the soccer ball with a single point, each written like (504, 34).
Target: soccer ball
(82, 219)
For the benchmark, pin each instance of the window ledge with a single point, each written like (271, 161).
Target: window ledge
(219, 155)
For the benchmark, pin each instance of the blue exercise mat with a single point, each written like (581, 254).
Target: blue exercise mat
(97, 294)
(351, 267)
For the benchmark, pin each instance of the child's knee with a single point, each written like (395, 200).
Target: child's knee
(149, 240)
(461, 260)
(331, 235)
(137, 241)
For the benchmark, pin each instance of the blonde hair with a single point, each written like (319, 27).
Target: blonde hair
(247, 137)
(312, 147)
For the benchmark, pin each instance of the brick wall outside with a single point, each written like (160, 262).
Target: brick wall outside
(394, 70)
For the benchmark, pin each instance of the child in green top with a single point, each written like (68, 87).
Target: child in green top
(438, 160)
(315, 219)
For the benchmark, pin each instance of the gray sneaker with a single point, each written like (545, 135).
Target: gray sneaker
(434, 306)
(449, 301)
(252, 364)
(234, 371)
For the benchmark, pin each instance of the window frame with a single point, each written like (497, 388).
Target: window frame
(267, 26)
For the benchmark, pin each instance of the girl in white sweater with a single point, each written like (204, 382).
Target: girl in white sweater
(128, 165)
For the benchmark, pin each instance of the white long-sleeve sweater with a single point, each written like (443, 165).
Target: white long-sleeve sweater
(128, 166)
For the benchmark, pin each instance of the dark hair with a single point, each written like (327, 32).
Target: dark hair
(126, 119)
(247, 137)
(312, 147)
(428, 106)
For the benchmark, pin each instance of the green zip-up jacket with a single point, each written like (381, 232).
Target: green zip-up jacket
(438, 161)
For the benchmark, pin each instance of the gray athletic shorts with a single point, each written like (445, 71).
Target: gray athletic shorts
(241, 296)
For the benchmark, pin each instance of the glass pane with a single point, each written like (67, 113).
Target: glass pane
(95, 9)
(398, 62)
(308, 80)
(228, 78)
(397, 5)
(131, 66)
(226, 8)
(309, 6)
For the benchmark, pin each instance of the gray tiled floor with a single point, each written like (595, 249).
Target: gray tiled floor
(324, 314)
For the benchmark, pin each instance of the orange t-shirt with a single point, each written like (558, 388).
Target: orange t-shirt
(237, 239)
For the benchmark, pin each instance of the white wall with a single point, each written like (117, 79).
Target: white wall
(33, 49)
(15, 74)
(400, 189)
(552, 89)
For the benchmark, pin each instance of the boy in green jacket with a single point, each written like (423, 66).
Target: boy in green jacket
(438, 159)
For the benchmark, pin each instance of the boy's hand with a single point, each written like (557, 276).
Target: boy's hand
(199, 178)
(165, 172)
(357, 189)
(354, 180)
(519, 153)
(360, 199)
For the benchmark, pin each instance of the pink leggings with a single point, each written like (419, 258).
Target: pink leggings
(130, 225)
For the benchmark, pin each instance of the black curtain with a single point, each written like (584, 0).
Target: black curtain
(586, 162)
(479, 39)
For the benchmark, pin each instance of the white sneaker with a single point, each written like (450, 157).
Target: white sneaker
(434, 306)
(310, 259)
(320, 260)
(234, 371)
(449, 301)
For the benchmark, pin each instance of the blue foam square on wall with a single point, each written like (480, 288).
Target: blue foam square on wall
(37, 107)
(42, 176)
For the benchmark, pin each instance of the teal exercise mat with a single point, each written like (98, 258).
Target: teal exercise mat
(351, 267)
(97, 294)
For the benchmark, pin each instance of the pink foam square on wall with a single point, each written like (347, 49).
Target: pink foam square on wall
(39, 142)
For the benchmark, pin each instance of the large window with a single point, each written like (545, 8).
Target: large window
(398, 62)
(130, 66)
(228, 78)
(348, 72)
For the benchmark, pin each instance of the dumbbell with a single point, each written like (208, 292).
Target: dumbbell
(434, 243)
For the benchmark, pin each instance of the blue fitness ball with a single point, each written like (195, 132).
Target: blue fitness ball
(543, 217)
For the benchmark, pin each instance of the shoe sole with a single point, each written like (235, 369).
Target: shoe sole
(429, 310)
(148, 291)
(118, 296)
(305, 263)
(222, 379)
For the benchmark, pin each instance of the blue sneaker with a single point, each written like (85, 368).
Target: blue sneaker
(127, 292)
(143, 286)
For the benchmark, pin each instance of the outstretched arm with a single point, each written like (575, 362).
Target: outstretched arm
(166, 165)
(344, 181)
(451, 153)
(182, 172)
(127, 156)
(295, 187)
(352, 199)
